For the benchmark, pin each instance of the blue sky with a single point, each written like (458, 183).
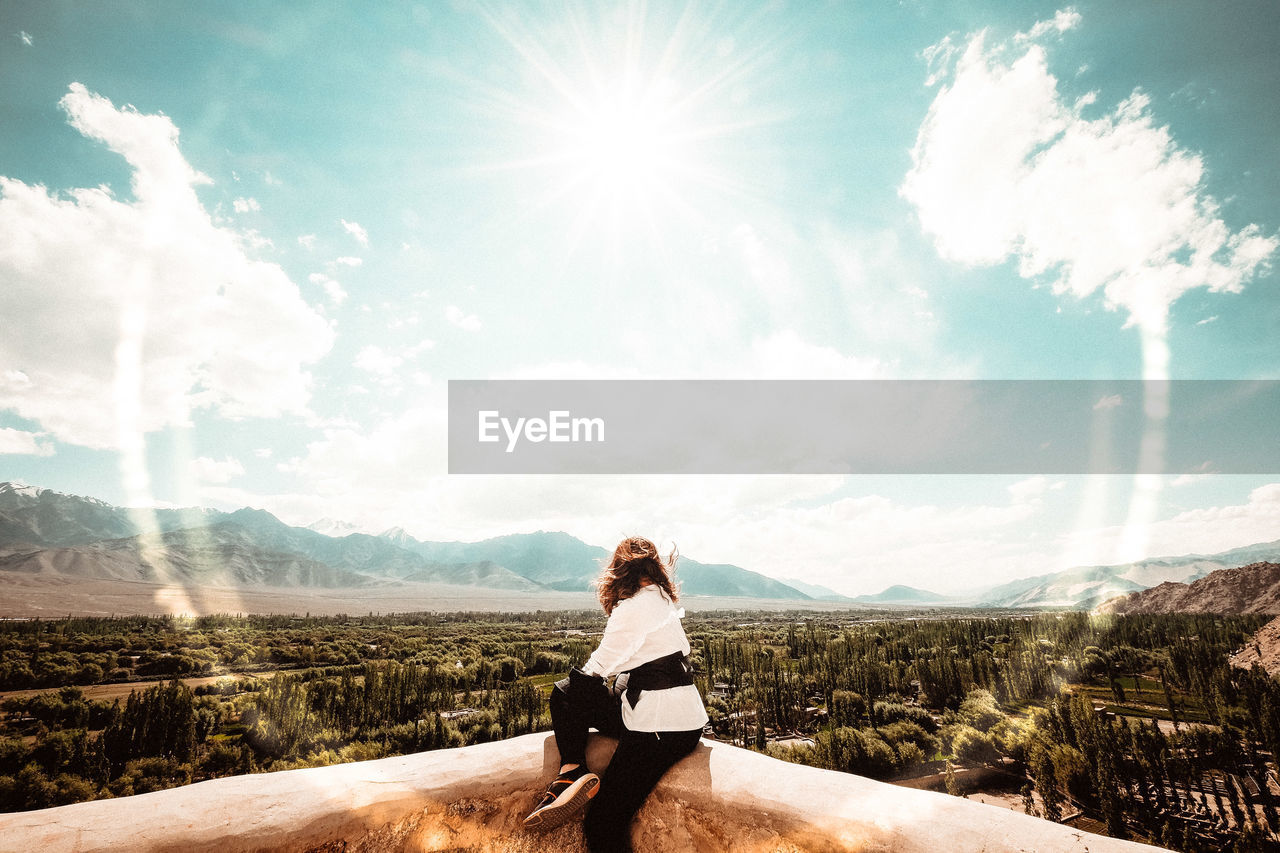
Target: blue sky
(251, 285)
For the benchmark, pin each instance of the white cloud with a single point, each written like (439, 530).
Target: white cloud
(938, 59)
(1202, 472)
(1198, 531)
(872, 541)
(378, 361)
(461, 319)
(264, 453)
(419, 348)
(1065, 19)
(766, 266)
(253, 239)
(348, 261)
(577, 369)
(887, 308)
(124, 316)
(371, 470)
(25, 37)
(1206, 320)
(307, 241)
(785, 355)
(782, 526)
(21, 442)
(780, 355)
(271, 180)
(394, 472)
(332, 288)
(208, 470)
(335, 292)
(384, 363)
(1112, 401)
(1030, 489)
(356, 230)
(245, 205)
(1004, 167)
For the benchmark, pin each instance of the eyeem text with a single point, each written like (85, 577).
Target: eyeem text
(559, 425)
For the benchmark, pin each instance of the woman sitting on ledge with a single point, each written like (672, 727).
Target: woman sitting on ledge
(653, 708)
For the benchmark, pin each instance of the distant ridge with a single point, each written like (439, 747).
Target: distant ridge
(901, 594)
(35, 516)
(565, 563)
(1254, 588)
(816, 591)
(1086, 587)
(49, 538)
(47, 534)
(334, 527)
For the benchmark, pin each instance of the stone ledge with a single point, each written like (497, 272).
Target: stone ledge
(721, 798)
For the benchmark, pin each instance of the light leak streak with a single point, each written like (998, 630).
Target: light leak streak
(129, 393)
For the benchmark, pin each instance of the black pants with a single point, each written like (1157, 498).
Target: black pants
(641, 759)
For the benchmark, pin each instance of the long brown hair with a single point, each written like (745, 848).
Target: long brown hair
(635, 561)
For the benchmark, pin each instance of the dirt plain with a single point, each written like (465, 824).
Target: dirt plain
(24, 596)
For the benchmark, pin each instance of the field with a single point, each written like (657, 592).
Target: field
(1067, 716)
(49, 597)
(121, 690)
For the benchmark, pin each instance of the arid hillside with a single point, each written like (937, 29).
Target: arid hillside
(1254, 588)
(1263, 649)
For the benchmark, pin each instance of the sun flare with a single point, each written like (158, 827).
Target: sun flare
(622, 118)
(625, 141)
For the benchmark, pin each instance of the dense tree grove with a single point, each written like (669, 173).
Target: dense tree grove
(1067, 704)
(1131, 725)
(309, 691)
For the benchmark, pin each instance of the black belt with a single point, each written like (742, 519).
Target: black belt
(674, 670)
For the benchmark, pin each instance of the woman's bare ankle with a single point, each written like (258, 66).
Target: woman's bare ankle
(565, 768)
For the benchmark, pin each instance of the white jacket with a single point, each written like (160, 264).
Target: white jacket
(642, 628)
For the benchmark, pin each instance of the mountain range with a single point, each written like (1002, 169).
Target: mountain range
(51, 535)
(47, 533)
(909, 595)
(1086, 587)
(1254, 588)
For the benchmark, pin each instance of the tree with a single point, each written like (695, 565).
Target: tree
(847, 708)
(974, 747)
(1047, 784)
(979, 710)
(953, 786)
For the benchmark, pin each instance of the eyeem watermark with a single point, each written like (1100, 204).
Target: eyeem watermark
(1023, 427)
(558, 426)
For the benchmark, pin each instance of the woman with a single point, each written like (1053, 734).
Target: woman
(653, 709)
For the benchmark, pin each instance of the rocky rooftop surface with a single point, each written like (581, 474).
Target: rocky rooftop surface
(721, 798)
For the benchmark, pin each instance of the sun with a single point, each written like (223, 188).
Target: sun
(620, 116)
(625, 141)
(623, 154)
